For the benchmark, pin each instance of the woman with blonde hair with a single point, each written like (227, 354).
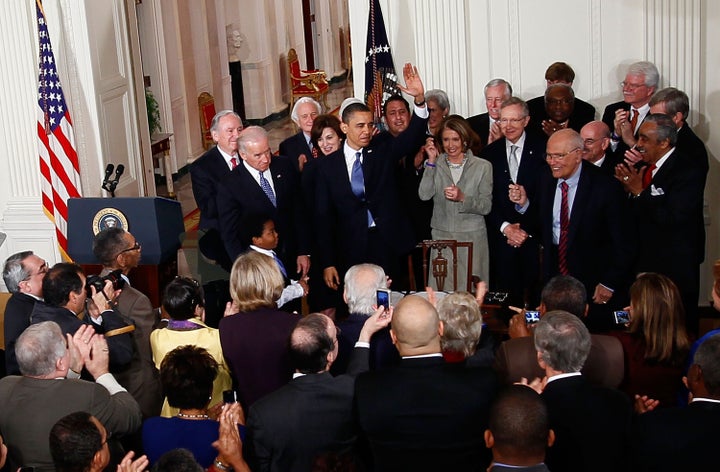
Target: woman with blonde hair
(462, 325)
(255, 338)
(655, 343)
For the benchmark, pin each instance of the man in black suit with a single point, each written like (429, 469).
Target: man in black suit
(561, 73)
(486, 125)
(358, 216)
(580, 216)
(666, 198)
(596, 136)
(625, 117)
(206, 174)
(23, 275)
(298, 147)
(559, 112)
(516, 159)
(591, 424)
(424, 414)
(671, 439)
(313, 414)
(267, 185)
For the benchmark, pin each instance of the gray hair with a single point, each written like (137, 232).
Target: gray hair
(15, 271)
(666, 128)
(563, 341)
(646, 69)
(495, 83)
(460, 313)
(361, 284)
(39, 347)
(516, 101)
(440, 97)
(675, 101)
(294, 114)
(222, 113)
(707, 357)
(251, 134)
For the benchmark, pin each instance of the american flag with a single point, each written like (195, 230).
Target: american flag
(58, 160)
(380, 78)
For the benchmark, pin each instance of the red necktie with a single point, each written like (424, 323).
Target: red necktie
(564, 225)
(633, 119)
(233, 163)
(647, 176)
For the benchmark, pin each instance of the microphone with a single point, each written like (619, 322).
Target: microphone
(118, 172)
(108, 172)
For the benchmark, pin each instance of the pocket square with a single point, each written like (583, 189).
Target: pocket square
(655, 191)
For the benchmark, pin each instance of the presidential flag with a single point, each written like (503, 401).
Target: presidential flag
(380, 77)
(59, 169)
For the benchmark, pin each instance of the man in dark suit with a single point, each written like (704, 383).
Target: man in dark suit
(206, 174)
(267, 185)
(625, 117)
(561, 73)
(596, 136)
(591, 424)
(23, 275)
(559, 112)
(671, 439)
(486, 125)
(516, 159)
(117, 249)
(358, 217)
(582, 222)
(411, 414)
(298, 147)
(666, 198)
(313, 414)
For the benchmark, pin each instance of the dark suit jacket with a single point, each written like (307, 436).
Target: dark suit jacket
(591, 425)
(413, 418)
(295, 145)
(239, 195)
(341, 217)
(609, 114)
(677, 438)
(691, 146)
(312, 414)
(582, 114)
(382, 351)
(255, 346)
(481, 125)
(516, 358)
(17, 318)
(205, 175)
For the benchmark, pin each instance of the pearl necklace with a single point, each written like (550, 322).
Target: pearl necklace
(192, 417)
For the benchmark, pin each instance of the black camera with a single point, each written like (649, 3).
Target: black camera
(99, 282)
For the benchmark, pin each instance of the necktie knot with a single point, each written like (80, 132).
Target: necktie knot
(233, 163)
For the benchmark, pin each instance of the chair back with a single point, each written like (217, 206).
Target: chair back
(206, 107)
(294, 65)
(439, 265)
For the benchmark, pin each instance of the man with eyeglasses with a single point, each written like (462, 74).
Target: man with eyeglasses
(625, 117)
(117, 249)
(596, 149)
(581, 220)
(517, 160)
(23, 274)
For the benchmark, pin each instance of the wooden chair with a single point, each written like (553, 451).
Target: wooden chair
(440, 263)
(206, 106)
(306, 83)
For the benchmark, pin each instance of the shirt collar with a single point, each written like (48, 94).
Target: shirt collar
(421, 356)
(704, 399)
(267, 252)
(562, 376)
(662, 160)
(573, 180)
(226, 156)
(520, 142)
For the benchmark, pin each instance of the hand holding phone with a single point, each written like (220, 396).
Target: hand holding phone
(532, 316)
(383, 298)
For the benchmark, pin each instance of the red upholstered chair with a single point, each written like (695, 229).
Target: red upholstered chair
(206, 106)
(306, 83)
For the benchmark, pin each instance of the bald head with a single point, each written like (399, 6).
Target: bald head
(596, 139)
(416, 327)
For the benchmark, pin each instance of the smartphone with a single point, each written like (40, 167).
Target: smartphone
(532, 317)
(229, 396)
(383, 298)
(621, 317)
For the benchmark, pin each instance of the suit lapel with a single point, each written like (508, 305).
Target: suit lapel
(249, 187)
(526, 160)
(278, 180)
(582, 195)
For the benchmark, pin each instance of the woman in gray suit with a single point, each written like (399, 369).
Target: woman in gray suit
(460, 185)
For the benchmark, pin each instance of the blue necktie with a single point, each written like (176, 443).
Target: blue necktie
(281, 266)
(265, 186)
(357, 183)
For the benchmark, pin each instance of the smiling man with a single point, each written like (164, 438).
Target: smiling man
(298, 146)
(486, 125)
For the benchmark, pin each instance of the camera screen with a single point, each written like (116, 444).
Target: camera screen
(532, 317)
(383, 299)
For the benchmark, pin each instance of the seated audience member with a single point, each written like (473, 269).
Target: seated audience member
(177, 460)
(183, 301)
(34, 402)
(66, 297)
(438, 106)
(462, 330)
(591, 424)
(486, 125)
(561, 73)
(596, 136)
(187, 374)
(255, 338)
(411, 414)
(672, 439)
(313, 413)
(517, 357)
(117, 249)
(361, 284)
(79, 442)
(518, 431)
(559, 106)
(655, 343)
(261, 236)
(23, 274)
(298, 147)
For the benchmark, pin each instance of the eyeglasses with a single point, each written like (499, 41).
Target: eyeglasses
(590, 141)
(559, 156)
(630, 86)
(135, 247)
(515, 121)
(42, 270)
